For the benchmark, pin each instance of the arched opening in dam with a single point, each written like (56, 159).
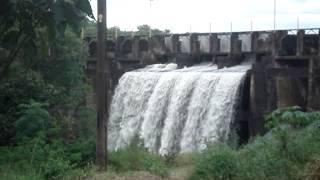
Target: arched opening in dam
(126, 47)
(143, 45)
(172, 110)
(92, 48)
(143, 48)
(110, 46)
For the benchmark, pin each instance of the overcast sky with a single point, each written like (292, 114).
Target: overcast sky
(182, 15)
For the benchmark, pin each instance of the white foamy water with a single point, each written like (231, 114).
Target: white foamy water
(172, 110)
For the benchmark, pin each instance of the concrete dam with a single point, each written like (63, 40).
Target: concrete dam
(181, 92)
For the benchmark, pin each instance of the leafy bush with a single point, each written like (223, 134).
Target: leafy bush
(291, 115)
(81, 152)
(55, 160)
(14, 92)
(41, 150)
(284, 153)
(217, 162)
(34, 119)
(135, 158)
(45, 126)
(263, 159)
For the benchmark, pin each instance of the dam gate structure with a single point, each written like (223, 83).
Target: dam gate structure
(284, 65)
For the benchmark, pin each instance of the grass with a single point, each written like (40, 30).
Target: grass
(135, 158)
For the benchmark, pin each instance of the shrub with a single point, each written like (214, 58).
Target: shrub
(14, 92)
(286, 153)
(263, 159)
(81, 152)
(135, 158)
(34, 119)
(217, 162)
(37, 158)
(291, 115)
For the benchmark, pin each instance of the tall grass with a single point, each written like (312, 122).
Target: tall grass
(136, 158)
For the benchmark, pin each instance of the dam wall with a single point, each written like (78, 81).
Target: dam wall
(285, 68)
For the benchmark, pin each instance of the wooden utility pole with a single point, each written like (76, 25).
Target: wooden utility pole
(102, 86)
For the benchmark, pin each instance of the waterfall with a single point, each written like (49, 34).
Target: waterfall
(172, 110)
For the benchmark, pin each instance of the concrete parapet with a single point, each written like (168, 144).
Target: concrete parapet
(285, 70)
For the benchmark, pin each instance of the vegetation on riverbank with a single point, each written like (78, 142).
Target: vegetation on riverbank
(290, 150)
(46, 129)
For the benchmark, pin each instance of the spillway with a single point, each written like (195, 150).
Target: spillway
(170, 110)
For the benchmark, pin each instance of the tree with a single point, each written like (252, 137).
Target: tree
(40, 59)
(145, 30)
(26, 25)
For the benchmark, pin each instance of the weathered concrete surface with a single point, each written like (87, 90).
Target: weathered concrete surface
(285, 65)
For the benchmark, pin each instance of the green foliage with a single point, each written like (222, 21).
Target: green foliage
(28, 27)
(14, 92)
(34, 119)
(66, 71)
(10, 172)
(217, 162)
(47, 131)
(293, 116)
(135, 158)
(284, 153)
(263, 160)
(58, 82)
(144, 30)
(54, 160)
(81, 152)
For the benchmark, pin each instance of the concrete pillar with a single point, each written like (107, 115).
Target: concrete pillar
(258, 98)
(277, 41)
(314, 84)
(214, 43)
(254, 42)
(194, 44)
(235, 44)
(135, 47)
(285, 92)
(153, 43)
(175, 43)
(190, 42)
(310, 83)
(300, 42)
(118, 45)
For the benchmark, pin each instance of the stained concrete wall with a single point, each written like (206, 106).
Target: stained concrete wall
(205, 44)
(285, 67)
(185, 44)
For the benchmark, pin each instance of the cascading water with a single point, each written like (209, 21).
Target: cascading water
(174, 110)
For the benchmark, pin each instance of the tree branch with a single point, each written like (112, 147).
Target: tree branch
(13, 54)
